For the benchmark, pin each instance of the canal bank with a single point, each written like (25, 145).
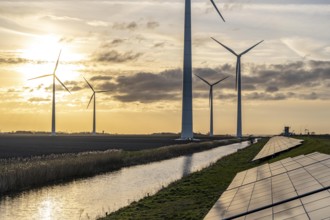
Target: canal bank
(92, 197)
(19, 174)
(193, 196)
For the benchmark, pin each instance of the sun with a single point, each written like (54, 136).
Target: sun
(42, 48)
(42, 53)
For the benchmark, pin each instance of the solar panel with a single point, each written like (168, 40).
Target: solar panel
(277, 144)
(285, 188)
(315, 206)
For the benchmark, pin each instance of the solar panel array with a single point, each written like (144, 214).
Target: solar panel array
(293, 188)
(277, 144)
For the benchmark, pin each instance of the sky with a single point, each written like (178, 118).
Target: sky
(134, 49)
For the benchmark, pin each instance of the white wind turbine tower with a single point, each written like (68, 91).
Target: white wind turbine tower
(211, 99)
(53, 102)
(238, 84)
(187, 114)
(94, 104)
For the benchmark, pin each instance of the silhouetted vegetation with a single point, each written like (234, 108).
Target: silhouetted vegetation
(193, 196)
(22, 173)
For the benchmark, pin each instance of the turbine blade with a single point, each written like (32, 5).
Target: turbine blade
(216, 8)
(90, 86)
(91, 99)
(250, 48)
(203, 79)
(62, 84)
(41, 76)
(230, 50)
(220, 80)
(58, 59)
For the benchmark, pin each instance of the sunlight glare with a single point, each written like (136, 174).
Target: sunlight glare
(42, 55)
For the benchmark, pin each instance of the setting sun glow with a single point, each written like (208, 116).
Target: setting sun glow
(135, 51)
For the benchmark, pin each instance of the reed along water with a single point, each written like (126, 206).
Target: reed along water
(90, 198)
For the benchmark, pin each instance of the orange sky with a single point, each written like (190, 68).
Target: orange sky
(135, 49)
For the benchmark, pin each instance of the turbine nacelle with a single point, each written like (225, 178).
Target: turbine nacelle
(54, 74)
(204, 80)
(238, 63)
(211, 85)
(94, 92)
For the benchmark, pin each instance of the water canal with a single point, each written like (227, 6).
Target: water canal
(92, 197)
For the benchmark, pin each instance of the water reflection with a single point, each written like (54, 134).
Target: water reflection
(93, 197)
(187, 165)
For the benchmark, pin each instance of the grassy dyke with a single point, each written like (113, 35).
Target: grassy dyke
(194, 195)
(23, 173)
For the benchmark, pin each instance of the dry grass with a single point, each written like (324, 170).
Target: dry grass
(18, 174)
(22, 173)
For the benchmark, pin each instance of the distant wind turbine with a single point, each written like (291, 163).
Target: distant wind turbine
(94, 106)
(53, 102)
(187, 113)
(238, 84)
(211, 99)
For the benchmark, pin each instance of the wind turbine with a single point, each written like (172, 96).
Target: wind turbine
(211, 99)
(238, 84)
(94, 106)
(187, 114)
(53, 102)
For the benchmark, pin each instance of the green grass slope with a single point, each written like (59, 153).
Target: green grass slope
(194, 195)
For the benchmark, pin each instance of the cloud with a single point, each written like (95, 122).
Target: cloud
(116, 57)
(147, 97)
(279, 81)
(112, 43)
(162, 44)
(265, 96)
(259, 82)
(311, 96)
(65, 39)
(61, 18)
(36, 99)
(147, 87)
(101, 78)
(59, 88)
(131, 26)
(97, 23)
(271, 89)
(13, 90)
(308, 48)
(298, 74)
(73, 86)
(152, 24)
(125, 26)
(108, 86)
(13, 60)
(232, 6)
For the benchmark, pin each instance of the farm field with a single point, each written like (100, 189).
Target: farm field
(36, 145)
(19, 173)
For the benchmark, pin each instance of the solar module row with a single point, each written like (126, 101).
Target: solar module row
(277, 144)
(280, 190)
